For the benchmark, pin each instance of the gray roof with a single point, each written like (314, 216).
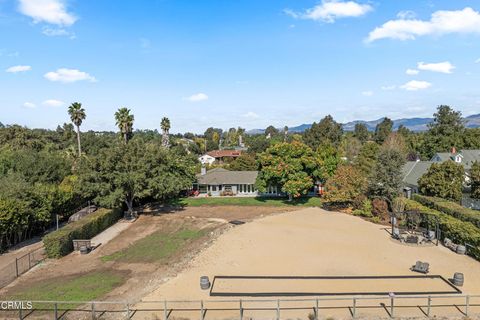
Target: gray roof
(221, 176)
(413, 170)
(468, 157)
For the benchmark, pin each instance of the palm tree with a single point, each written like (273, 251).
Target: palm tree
(165, 125)
(285, 133)
(124, 121)
(77, 115)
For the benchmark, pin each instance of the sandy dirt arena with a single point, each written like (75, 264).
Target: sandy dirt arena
(314, 242)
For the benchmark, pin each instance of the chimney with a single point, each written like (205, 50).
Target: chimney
(454, 150)
(203, 171)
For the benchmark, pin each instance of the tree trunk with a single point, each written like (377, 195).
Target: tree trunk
(78, 141)
(125, 137)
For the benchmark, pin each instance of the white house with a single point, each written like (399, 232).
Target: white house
(206, 159)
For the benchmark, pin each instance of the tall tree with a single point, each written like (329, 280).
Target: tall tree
(443, 180)
(475, 180)
(386, 179)
(77, 115)
(345, 185)
(367, 157)
(271, 131)
(124, 121)
(289, 166)
(165, 125)
(326, 131)
(383, 130)
(285, 134)
(446, 131)
(361, 132)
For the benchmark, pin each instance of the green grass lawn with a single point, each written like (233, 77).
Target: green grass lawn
(84, 287)
(156, 247)
(250, 201)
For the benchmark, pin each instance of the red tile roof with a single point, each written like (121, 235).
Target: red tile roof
(224, 153)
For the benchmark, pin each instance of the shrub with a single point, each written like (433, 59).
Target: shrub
(459, 231)
(357, 203)
(365, 210)
(380, 208)
(59, 243)
(451, 208)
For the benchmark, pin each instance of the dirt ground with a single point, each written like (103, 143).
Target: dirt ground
(142, 278)
(312, 242)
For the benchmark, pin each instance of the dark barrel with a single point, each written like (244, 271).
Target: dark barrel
(458, 279)
(204, 283)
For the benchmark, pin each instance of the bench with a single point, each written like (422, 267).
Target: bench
(77, 244)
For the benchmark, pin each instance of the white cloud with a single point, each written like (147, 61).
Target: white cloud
(477, 61)
(69, 75)
(251, 115)
(416, 85)
(387, 88)
(16, 69)
(367, 93)
(442, 67)
(53, 103)
(57, 32)
(197, 97)
(49, 11)
(412, 72)
(330, 10)
(441, 22)
(406, 14)
(29, 105)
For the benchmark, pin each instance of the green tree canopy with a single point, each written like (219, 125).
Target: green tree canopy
(383, 130)
(326, 131)
(475, 180)
(77, 115)
(290, 166)
(124, 121)
(345, 185)
(246, 162)
(443, 180)
(361, 132)
(367, 158)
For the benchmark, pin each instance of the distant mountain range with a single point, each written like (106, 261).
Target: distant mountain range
(414, 124)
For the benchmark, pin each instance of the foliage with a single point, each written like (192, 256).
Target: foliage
(246, 162)
(271, 131)
(156, 247)
(77, 115)
(250, 201)
(345, 185)
(290, 166)
(456, 230)
(59, 243)
(125, 174)
(451, 208)
(165, 126)
(350, 148)
(328, 159)
(386, 179)
(327, 131)
(124, 122)
(380, 208)
(475, 180)
(258, 143)
(446, 131)
(443, 180)
(383, 130)
(367, 157)
(365, 210)
(361, 132)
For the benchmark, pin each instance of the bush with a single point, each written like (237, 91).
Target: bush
(451, 208)
(357, 203)
(365, 210)
(59, 243)
(458, 231)
(380, 208)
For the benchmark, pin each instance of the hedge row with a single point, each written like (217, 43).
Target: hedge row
(451, 208)
(458, 231)
(59, 243)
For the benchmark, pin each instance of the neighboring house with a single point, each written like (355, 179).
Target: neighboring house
(219, 181)
(413, 170)
(219, 156)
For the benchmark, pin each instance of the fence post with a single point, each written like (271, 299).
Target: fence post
(16, 267)
(354, 312)
(316, 309)
(241, 310)
(29, 261)
(201, 310)
(127, 311)
(20, 313)
(55, 311)
(392, 299)
(467, 304)
(93, 310)
(429, 305)
(165, 311)
(278, 309)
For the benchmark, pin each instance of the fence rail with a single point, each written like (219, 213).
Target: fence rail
(314, 308)
(21, 265)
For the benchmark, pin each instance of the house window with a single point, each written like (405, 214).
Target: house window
(214, 188)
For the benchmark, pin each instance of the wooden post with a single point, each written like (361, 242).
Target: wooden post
(354, 312)
(165, 311)
(241, 310)
(467, 305)
(429, 305)
(201, 310)
(55, 311)
(20, 313)
(16, 267)
(127, 311)
(29, 261)
(391, 307)
(316, 309)
(278, 309)
(93, 311)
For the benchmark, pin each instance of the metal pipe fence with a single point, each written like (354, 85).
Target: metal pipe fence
(21, 265)
(391, 306)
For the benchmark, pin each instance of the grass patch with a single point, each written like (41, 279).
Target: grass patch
(83, 287)
(156, 247)
(250, 201)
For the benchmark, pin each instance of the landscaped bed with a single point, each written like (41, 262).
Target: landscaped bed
(251, 201)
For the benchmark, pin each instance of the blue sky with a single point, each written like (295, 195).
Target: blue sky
(227, 63)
